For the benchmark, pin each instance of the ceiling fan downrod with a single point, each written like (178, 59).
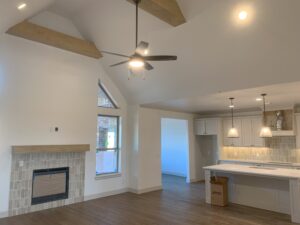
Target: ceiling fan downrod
(137, 2)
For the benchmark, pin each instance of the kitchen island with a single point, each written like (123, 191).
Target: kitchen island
(264, 187)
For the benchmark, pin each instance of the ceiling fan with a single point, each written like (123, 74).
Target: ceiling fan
(139, 59)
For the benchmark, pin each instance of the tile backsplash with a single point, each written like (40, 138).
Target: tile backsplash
(278, 149)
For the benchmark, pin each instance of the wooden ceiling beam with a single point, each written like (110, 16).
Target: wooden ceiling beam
(53, 38)
(166, 10)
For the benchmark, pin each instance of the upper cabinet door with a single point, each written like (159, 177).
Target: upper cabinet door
(226, 126)
(246, 134)
(256, 127)
(238, 125)
(211, 126)
(200, 127)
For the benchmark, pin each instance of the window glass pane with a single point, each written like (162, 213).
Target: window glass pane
(107, 153)
(107, 162)
(103, 99)
(107, 135)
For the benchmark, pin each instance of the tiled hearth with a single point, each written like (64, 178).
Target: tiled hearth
(23, 165)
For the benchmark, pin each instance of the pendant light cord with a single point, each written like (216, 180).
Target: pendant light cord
(231, 105)
(264, 101)
(232, 118)
(264, 113)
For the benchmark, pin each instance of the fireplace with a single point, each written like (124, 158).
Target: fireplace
(50, 185)
(29, 169)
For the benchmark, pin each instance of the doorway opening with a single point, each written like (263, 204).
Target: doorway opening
(174, 148)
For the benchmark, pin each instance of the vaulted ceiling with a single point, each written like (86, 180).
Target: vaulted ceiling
(215, 52)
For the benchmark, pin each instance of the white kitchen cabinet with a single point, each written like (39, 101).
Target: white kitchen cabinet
(207, 126)
(248, 128)
(227, 124)
(212, 126)
(246, 133)
(200, 127)
(257, 124)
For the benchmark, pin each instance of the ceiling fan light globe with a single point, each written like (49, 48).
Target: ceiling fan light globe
(136, 63)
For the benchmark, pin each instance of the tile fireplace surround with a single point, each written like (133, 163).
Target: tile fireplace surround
(22, 167)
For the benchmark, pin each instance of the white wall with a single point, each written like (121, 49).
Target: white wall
(145, 146)
(149, 149)
(42, 87)
(174, 147)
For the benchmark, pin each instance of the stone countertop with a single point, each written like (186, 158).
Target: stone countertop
(271, 163)
(262, 171)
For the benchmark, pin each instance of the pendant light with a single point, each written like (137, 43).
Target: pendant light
(265, 130)
(233, 132)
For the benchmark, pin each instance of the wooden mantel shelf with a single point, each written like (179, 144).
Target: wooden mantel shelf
(50, 148)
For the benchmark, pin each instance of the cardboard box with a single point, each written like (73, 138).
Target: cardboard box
(219, 191)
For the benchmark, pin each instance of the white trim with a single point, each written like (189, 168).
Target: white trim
(194, 180)
(4, 214)
(107, 176)
(105, 194)
(145, 190)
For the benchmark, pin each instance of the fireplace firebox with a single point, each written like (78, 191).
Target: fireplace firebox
(50, 185)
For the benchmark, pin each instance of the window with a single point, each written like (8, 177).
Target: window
(107, 155)
(104, 99)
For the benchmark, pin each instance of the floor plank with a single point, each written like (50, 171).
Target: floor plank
(178, 204)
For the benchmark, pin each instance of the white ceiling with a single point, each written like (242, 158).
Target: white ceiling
(214, 53)
(10, 15)
(69, 8)
(280, 96)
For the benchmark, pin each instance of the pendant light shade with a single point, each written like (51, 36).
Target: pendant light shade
(232, 132)
(265, 131)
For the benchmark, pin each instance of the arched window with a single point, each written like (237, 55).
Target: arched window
(104, 98)
(108, 132)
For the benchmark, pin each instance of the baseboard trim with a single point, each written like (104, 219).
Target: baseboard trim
(145, 190)
(105, 194)
(195, 180)
(173, 174)
(3, 214)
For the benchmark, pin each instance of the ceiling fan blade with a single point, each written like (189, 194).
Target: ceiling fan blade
(142, 47)
(160, 58)
(148, 66)
(117, 54)
(120, 63)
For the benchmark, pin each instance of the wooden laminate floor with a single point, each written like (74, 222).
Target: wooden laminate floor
(178, 204)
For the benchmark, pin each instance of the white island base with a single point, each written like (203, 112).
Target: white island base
(275, 189)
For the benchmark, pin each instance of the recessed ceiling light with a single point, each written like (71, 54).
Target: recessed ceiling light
(22, 6)
(231, 106)
(243, 15)
(258, 99)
